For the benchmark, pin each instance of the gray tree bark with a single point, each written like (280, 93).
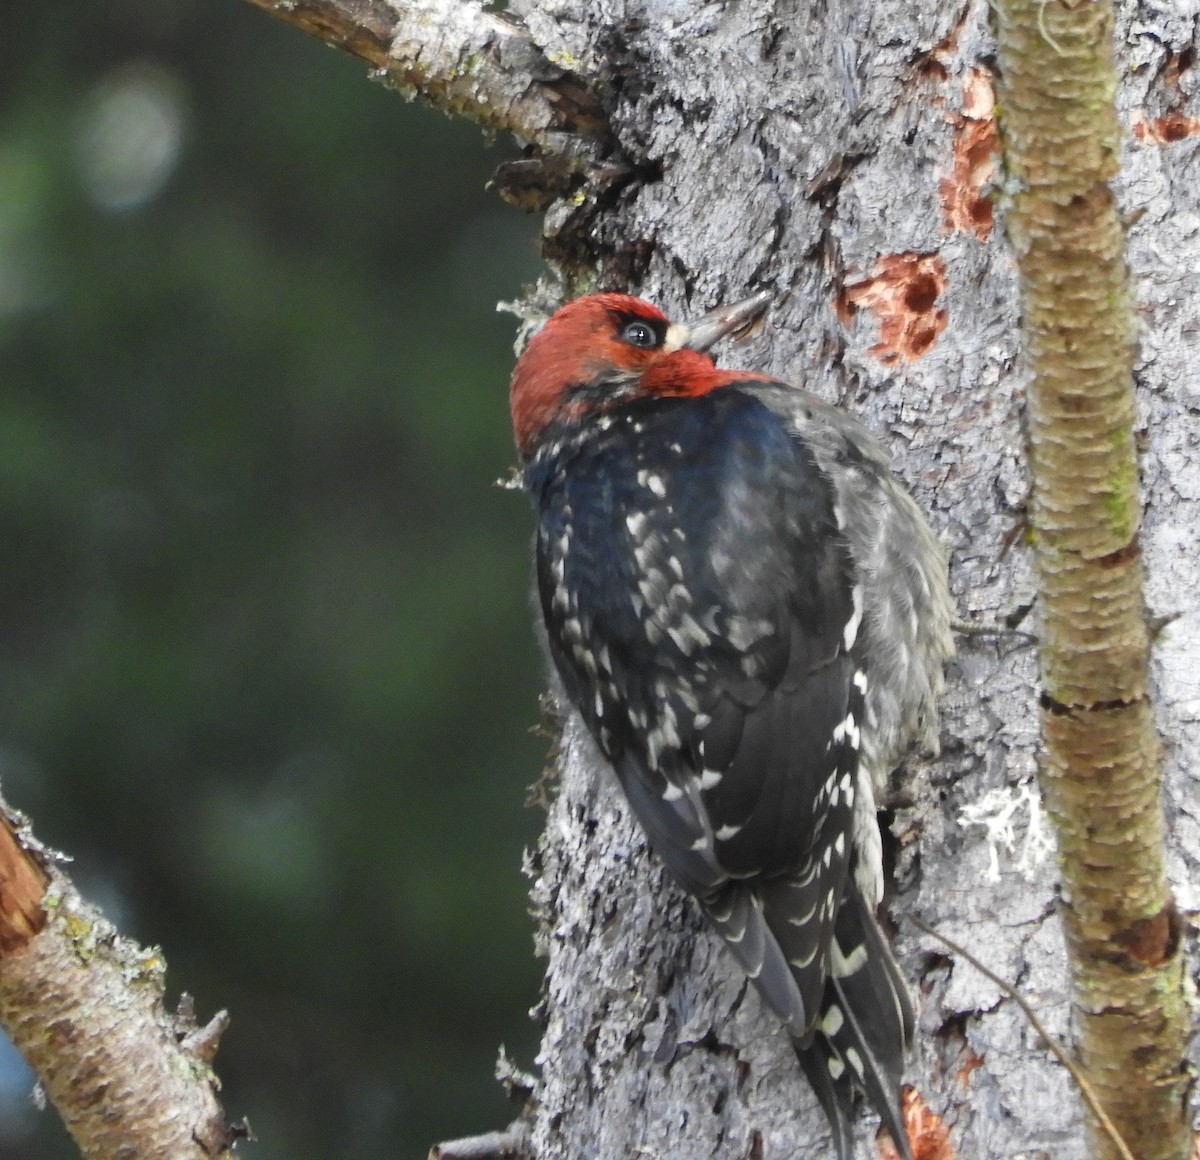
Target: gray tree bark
(842, 153)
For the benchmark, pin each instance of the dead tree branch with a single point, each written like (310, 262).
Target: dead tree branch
(84, 1007)
(460, 58)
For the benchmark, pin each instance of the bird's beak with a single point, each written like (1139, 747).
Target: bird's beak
(715, 325)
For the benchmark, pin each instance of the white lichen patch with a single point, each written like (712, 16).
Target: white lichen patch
(999, 812)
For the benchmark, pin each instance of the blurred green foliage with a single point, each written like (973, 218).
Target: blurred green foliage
(266, 669)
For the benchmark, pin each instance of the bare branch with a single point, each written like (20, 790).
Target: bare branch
(511, 1144)
(461, 59)
(84, 1007)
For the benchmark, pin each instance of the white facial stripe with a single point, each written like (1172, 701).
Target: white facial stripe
(677, 337)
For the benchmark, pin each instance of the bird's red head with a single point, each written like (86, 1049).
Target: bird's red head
(606, 348)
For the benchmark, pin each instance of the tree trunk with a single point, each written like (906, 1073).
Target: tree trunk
(844, 154)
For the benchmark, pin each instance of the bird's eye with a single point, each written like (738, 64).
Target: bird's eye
(639, 334)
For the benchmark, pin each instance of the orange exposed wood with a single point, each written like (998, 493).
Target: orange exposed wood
(902, 293)
(22, 886)
(976, 159)
(1167, 129)
(927, 1132)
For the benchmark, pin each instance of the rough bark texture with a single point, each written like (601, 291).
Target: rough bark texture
(839, 152)
(842, 152)
(84, 1007)
(461, 57)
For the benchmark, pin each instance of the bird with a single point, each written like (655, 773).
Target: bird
(750, 613)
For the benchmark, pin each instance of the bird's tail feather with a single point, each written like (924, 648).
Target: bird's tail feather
(864, 1029)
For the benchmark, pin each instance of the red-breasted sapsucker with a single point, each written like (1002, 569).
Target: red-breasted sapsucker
(750, 614)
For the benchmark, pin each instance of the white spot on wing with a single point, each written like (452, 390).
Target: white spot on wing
(852, 733)
(850, 635)
(803, 919)
(722, 913)
(665, 735)
(854, 1060)
(846, 965)
(847, 731)
(652, 481)
(742, 632)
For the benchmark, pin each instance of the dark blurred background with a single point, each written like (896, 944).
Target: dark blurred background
(266, 669)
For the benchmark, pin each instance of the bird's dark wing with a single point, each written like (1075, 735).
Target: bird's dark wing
(697, 601)
(701, 610)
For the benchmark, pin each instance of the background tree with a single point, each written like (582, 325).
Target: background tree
(265, 662)
(843, 156)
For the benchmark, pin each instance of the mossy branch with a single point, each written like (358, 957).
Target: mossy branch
(461, 58)
(1100, 775)
(84, 1007)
